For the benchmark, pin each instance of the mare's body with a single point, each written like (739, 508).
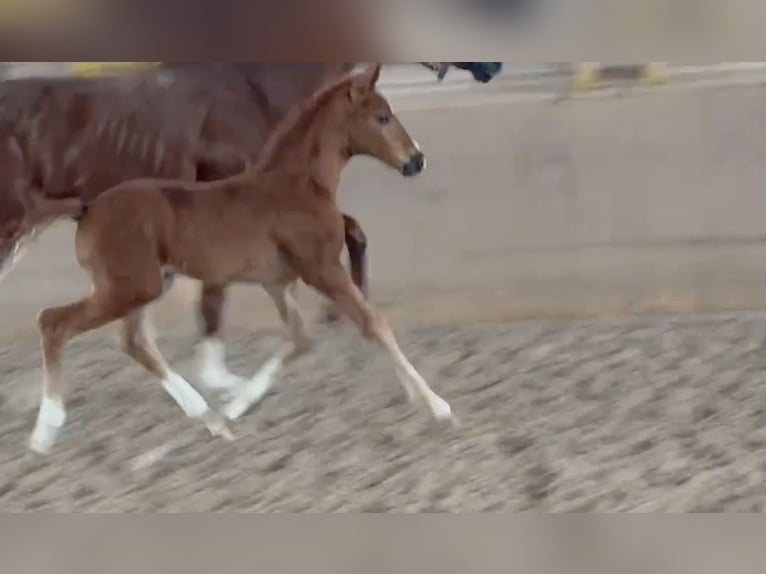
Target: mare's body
(276, 223)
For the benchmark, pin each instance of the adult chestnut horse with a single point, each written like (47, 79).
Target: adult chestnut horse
(275, 223)
(69, 138)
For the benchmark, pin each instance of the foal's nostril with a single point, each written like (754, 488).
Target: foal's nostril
(419, 160)
(415, 165)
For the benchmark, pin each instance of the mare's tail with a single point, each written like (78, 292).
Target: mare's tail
(21, 218)
(47, 208)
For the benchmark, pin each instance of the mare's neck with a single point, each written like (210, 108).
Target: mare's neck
(277, 87)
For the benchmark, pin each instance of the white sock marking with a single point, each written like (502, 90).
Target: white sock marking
(50, 419)
(254, 390)
(413, 381)
(187, 397)
(213, 371)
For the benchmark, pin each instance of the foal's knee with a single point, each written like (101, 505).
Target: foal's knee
(50, 323)
(130, 341)
(373, 326)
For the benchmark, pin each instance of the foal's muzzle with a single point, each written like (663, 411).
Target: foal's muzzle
(415, 165)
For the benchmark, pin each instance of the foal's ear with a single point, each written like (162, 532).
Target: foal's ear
(374, 76)
(364, 82)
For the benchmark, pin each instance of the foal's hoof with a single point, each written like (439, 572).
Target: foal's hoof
(216, 424)
(43, 438)
(442, 412)
(40, 445)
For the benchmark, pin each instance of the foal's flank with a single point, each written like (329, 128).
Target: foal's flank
(274, 224)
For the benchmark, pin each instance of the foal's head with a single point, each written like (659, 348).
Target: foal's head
(375, 131)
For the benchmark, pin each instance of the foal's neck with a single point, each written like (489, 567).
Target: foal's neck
(316, 146)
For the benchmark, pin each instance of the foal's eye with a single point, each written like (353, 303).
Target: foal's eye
(384, 118)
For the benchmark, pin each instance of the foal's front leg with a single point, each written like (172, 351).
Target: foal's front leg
(334, 283)
(300, 342)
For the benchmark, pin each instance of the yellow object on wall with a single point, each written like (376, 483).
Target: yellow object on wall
(91, 69)
(590, 75)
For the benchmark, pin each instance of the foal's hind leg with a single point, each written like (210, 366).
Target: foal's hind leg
(59, 325)
(300, 342)
(139, 343)
(211, 354)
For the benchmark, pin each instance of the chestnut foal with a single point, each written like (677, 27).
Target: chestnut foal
(275, 223)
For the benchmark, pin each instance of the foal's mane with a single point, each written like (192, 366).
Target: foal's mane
(300, 120)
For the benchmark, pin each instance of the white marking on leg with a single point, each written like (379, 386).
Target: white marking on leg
(194, 405)
(212, 364)
(254, 390)
(50, 420)
(187, 397)
(411, 379)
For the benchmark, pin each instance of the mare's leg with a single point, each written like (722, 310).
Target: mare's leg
(335, 283)
(138, 342)
(356, 244)
(300, 342)
(211, 355)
